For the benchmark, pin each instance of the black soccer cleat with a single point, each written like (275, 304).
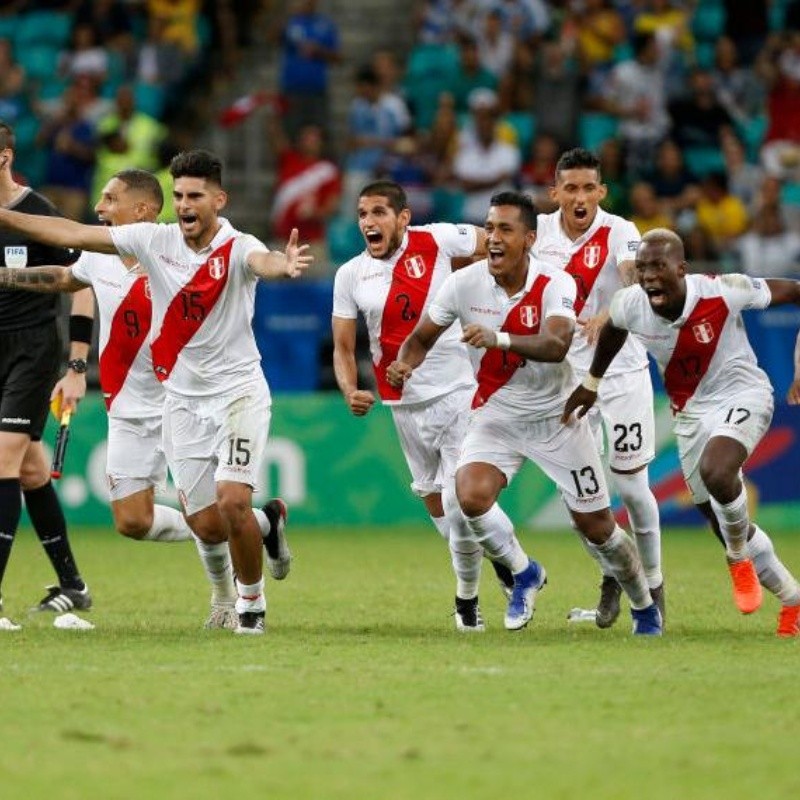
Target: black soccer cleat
(251, 623)
(608, 607)
(60, 600)
(279, 557)
(468, 615)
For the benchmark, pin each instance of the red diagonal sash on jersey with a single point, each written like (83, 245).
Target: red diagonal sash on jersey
(586, 264)
(411, 282)
(190, 308)
(697, 342)
(497, 366)
(129, 330)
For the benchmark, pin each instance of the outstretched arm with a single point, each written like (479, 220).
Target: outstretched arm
(551, 345)
(274, 264)
(59, 232)
(39, 279)
(609, 343)
(413, 350)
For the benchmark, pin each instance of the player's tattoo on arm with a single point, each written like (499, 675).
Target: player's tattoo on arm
(36, 279)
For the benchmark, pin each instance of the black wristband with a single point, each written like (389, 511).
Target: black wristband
(80, 328)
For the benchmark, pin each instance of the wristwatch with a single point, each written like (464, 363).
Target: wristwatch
(77, 365)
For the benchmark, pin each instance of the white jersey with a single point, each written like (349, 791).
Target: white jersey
(592, 260)
(393, 294)
(203, 342)
(704, 356)
(511, 385)
(130, 388)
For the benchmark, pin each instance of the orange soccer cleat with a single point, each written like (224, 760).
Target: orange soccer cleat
(789, 622)
(746, 588)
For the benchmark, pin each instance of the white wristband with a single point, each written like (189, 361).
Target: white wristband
(591, 383)
(502, 340)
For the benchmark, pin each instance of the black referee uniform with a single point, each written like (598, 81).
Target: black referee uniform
(30, 344)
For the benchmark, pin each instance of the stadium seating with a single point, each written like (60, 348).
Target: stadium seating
(40, 61)
(43, 28)
(595, 128)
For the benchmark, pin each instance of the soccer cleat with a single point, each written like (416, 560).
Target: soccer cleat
(658, 598)
(468, 616)
(746, 588)
(608, 606)
(521, 605)
(250, 623)
(505, 579)
(222, 616)
(9, 625)
(60, 600)
(279, 558)
(789, 622)
(647, 621)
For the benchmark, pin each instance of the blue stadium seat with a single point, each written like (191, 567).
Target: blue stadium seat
(149, 98)
(595, 128)
(32, 165)
(752, 133)
(43, 28)
(524, 123)
(8, 26)
(344, 240)
(708, 21)
(700, 161)
(25, 130)
(39, 61)
(430, 71)
(790, 193)
(704, 54)
(448, 205)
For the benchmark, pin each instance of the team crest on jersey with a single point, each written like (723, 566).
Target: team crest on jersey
(529, 316)
(216, 267)
(16, 256)
(703, 332)
(591, 255)
(415, 266)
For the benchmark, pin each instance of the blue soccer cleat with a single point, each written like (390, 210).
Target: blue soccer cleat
(521, 605)
(647, 621)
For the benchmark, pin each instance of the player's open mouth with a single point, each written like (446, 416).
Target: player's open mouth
(189, 219)
(495, 255)
(580, 213)
(373, 237)
(656, 297)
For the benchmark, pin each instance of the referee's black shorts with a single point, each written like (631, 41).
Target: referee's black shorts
(29, 362)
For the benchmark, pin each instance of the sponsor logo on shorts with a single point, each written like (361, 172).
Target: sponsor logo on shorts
(15, 421)
(16, 256)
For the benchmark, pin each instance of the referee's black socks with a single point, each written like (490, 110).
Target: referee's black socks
(10, 509)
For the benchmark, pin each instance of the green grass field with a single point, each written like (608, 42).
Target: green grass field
(362, 688)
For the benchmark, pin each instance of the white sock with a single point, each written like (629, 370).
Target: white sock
(642, 508)
(592, 550)
(442, 524)
(772, 574)
(168, 526)
(622, 556)
(216, 559)
(734, 524)
(466, 554)
(494, 531)
(251, 596)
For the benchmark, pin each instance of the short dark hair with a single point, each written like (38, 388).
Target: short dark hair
(141, 180)
(393, 192)
(577, 158)
(7, 139)
(527, 208)
(197, 164)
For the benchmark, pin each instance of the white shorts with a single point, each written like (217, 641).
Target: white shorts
(135, 458)
(213, 439)
(746, 419)
(430, 435)
(567, 454)
(624, 409)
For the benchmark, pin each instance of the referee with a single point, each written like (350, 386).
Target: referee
(30, 352)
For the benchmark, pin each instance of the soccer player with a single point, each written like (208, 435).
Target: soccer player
(722, 400)
(134, 398)
(518, 320)
(391, 283)
(202, 276)
(30, 351)
(598, 250)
